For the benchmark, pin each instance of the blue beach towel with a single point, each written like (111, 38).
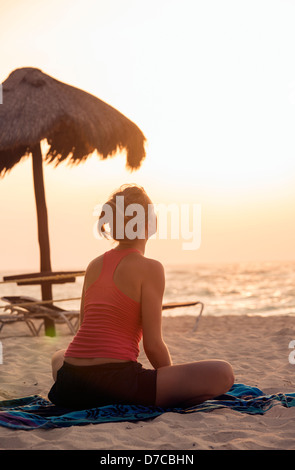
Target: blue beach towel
(36, 412)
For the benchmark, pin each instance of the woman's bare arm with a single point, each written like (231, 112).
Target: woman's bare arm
(152, 291)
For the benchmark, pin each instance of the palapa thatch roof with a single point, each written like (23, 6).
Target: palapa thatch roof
(75, 123)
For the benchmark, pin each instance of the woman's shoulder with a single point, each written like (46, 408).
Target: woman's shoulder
(152, 266)
(94, 263)
(145, 265)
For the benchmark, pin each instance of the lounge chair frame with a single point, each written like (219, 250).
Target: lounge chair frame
(28, 313)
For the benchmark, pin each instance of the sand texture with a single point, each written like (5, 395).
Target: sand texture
(257, 347)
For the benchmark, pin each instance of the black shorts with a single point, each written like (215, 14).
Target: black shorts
(83, 387)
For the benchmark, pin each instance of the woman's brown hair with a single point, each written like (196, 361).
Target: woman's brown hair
(114, 210)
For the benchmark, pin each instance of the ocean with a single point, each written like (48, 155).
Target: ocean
(260, 288)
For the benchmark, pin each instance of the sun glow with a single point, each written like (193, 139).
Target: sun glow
(210, 84)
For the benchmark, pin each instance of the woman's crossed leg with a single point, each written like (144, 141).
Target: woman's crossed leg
(192, 383)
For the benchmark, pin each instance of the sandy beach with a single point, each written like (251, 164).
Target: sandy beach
(257, 347)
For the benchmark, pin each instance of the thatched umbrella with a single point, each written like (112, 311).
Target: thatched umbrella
(75, 124)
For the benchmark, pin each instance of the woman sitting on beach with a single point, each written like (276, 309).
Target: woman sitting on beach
(122, 303)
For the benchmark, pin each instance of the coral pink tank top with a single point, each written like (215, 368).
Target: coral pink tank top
(111, 326)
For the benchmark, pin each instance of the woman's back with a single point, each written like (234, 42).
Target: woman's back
(111, 325)
(127, 275)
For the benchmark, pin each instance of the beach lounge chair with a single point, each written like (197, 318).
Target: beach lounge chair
(20, 309)
(13, 317)
(167, 306)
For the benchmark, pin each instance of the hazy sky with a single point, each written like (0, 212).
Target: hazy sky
(212, 86)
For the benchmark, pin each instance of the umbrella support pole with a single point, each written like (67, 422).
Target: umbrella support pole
(49, 325)
(43, 233)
